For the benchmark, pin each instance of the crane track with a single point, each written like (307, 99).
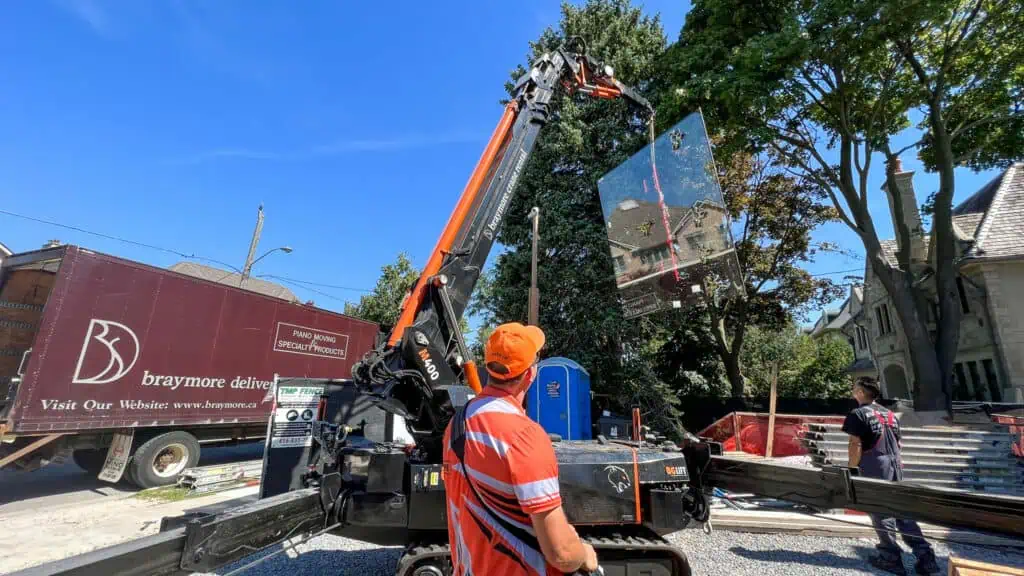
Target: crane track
(613, 549)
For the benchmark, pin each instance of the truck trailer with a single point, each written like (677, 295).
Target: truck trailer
(129, 369)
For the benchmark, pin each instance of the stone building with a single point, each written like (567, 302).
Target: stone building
(639, 235)
(989, 232)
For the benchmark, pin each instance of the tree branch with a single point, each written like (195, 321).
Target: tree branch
(965, 127)
(905, 148)
(816, 97)
(951, 49)
(967, 155)
(822, 183)
(844, 114)
(915, 64)
(864, 173)
(856, 158)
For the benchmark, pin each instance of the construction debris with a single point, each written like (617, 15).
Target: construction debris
(209, 479)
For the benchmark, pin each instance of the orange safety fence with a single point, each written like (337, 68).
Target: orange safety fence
(789, 429)
(1015, 424)
(752, 434)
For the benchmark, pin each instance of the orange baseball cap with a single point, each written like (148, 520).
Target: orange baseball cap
(512, 349)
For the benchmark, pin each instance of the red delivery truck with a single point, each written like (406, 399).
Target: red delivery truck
(129, 369)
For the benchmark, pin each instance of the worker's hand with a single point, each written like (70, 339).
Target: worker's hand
(590, 559)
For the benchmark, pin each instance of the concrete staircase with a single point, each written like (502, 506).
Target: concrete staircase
(979, 460)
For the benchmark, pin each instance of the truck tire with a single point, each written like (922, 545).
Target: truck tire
(90, 460)
(159, 460)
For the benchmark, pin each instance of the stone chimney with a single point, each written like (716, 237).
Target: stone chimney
(911, 213)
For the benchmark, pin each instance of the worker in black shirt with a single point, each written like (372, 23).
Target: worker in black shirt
(874, 449)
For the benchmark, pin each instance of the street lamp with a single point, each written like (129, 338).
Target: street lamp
(534, 311)
(249, 264)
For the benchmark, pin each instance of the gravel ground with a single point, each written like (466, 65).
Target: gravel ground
(721, 554)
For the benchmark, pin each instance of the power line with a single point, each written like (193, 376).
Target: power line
(303, 283)
(308, 283)
(99, 234)
(839, 272)
(314, 290)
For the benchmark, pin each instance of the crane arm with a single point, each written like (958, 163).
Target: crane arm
(416, 372)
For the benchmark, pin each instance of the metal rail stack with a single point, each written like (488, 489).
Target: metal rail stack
(207, 479)
(955, 458)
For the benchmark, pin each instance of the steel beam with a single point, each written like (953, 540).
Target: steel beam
(834, 487)
(203, 544)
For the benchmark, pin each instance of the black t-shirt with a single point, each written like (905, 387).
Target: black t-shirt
(863, 422)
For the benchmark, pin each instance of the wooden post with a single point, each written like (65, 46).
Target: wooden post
(736, 431)
(771, 410)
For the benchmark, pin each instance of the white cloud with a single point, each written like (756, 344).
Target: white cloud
(337, 148)
(89, 12)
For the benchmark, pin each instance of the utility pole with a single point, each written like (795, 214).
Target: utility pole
(247, 269)
(534, 312)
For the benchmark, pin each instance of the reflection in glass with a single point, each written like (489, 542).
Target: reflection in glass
(668, 228)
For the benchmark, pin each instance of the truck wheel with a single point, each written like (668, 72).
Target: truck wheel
(90, 460)
(159, 461)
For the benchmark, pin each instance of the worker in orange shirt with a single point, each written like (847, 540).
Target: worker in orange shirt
(501, 477)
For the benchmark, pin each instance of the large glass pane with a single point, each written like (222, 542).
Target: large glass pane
(668, 229)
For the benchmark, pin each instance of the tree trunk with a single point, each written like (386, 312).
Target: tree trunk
(732, 370)
(729, 352)
(927, 380)
(948, 336)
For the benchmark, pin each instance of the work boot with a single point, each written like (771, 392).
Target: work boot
(887, 564)
(927, 566)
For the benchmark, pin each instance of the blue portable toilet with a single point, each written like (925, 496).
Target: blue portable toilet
(559, 399)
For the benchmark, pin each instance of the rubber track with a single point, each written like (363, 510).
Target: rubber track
(645, 543)
(417, 553)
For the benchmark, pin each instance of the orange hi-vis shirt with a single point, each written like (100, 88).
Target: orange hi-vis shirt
(513, 466)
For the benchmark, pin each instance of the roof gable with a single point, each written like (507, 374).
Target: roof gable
(233, 279)
(1001, 233)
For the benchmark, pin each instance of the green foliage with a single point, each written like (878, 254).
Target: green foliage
(384, 304)
(483, 294)
(825, 85)
(775, 214)
(967, 57)
(587, 137)
(808, 368)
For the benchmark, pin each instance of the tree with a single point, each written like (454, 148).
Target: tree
(808, 368)
(384, 303)
(478, 306)
(824, 86)
(774, 214)
(585, 138)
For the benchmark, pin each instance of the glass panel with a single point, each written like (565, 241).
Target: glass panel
(667, 223)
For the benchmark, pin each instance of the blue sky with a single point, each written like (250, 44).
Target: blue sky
(356, 124)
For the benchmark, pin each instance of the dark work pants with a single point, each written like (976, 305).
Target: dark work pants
(908, 529)
(885, 467)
